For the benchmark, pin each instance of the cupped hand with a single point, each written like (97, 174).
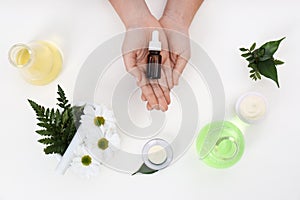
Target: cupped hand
(178, 43)
(135, 52)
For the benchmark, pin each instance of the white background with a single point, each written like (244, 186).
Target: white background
(270, 168)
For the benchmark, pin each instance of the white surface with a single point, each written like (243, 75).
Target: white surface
(270, 168)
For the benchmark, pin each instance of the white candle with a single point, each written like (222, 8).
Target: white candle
(251, 107)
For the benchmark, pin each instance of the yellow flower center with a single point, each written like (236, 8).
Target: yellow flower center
(99, 120)
(103, 143)
(86, 160)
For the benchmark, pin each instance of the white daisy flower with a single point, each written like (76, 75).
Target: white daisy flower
(98, 116)
(84, 164)
(103, 146)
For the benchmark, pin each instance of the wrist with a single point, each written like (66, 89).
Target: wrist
(170, 22)
(178, 18)
(131, 12)
(138, 20)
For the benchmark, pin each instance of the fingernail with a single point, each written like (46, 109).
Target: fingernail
(148, 107)
(162, 108)
(156, 107)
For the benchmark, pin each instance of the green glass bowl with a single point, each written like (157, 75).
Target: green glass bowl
(227, 150)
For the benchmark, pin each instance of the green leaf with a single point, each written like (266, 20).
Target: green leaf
(258, 76)
(243, 49)
(278, 62)
(250, 59)
(268, 69)
(65, 116)
(46, 141)
(245, 55)
(270, 49)
(62, 100)
(253, 66)
(52, 115)
(43, 132)
(62, 96)
(144, 169)
(39, 110)
(44, 125)
(47, 112)
(42, 119)
(53, 149)
(261, 52)
(253, 47)
(58, 129)
(57, 118)
(256, 53)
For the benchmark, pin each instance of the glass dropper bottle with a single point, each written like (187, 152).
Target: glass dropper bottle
(154, 57)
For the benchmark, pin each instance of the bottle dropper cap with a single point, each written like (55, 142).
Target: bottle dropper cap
(155, 44)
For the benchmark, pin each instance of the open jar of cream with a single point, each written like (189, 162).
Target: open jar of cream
(251, 107)
(157, 154)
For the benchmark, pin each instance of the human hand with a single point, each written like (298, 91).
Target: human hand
(179, 44)
(135, 52)
(176, 20)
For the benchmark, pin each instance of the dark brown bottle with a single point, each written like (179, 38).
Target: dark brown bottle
(154, 65)
(154, 57)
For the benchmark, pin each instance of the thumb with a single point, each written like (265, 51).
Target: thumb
(131, 65)
(178, 69)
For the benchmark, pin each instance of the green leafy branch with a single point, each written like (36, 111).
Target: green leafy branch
(57, 127)
(261, 60)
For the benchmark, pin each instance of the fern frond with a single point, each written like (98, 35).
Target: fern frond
(57, 127)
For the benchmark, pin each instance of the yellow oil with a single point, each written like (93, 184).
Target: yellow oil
(23, 57)
(40, 62)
